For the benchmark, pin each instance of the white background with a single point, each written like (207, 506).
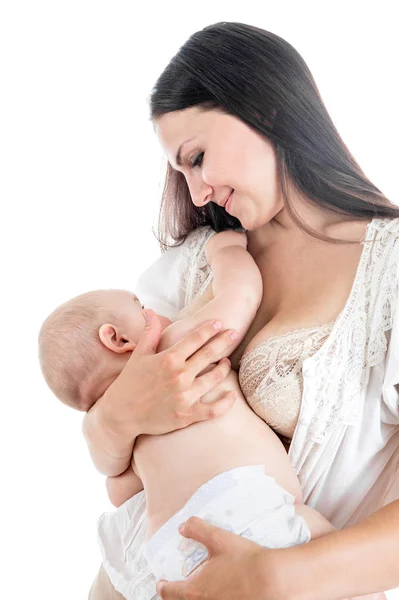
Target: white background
(81, 179)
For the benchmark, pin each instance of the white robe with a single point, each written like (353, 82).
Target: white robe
(345, 448)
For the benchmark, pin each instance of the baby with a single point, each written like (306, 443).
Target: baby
(232, 470)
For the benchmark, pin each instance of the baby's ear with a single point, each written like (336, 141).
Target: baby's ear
(113, 339)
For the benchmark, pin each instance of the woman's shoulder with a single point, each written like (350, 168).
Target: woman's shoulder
(379, 300)
(387, 225)
(384, 238)
(382, 245)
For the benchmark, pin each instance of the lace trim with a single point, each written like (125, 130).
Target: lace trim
(282, 336)
(271, 375)
(339, 371)
(196, 271)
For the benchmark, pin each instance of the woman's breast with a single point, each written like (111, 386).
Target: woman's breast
(270, 374)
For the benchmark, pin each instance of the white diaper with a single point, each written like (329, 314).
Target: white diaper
(244, 501)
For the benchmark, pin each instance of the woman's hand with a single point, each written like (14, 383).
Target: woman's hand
(238, 569)
(159, 393)
(234, 569)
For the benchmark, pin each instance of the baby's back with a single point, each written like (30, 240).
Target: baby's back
(173, 466)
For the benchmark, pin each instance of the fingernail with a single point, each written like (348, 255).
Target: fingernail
(217, 325)
(145, 317)
(181, 527)
(234, 335)
(160, 586)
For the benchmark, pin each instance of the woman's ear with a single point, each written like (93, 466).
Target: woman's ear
(114, 340)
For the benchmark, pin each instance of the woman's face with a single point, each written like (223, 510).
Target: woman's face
(223, 159)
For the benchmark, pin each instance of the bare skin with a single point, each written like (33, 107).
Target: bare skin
(174, 465)
(302, 288)
(302, 285)
(242, 436)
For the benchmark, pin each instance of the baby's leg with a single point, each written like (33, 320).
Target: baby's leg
(317, 524)
(102, 588)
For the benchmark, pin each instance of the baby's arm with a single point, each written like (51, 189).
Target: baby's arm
(122, 487)
(235, 295)
(233, 298)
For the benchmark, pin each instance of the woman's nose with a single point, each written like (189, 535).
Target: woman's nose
(201, 194)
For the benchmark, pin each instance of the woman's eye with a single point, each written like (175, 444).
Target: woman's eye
(197, 162)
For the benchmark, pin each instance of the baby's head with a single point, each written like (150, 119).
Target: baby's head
(85, 343)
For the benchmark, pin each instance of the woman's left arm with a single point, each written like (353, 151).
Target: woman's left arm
(361, 559)
(356, 561)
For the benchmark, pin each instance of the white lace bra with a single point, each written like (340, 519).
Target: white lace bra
(271, 379)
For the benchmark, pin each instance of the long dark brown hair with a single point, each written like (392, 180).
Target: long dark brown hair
(260, 78)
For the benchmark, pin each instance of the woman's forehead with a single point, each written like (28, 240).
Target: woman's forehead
(179, 127)
(180, 122)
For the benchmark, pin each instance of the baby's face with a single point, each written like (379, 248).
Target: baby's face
(129, 310)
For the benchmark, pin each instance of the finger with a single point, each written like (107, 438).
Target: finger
(210, 378)
(173, 590)
(203, 411)
(198, 338)
(149, 340)
(211, 352)
(205, 533)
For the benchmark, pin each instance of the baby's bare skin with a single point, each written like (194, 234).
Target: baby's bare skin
(173, 466)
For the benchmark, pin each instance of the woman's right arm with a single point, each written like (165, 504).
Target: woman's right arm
(157, 393)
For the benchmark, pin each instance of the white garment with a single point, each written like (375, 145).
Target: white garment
(244, 501)
(345, 448)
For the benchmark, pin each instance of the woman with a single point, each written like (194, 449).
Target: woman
(250, 143)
